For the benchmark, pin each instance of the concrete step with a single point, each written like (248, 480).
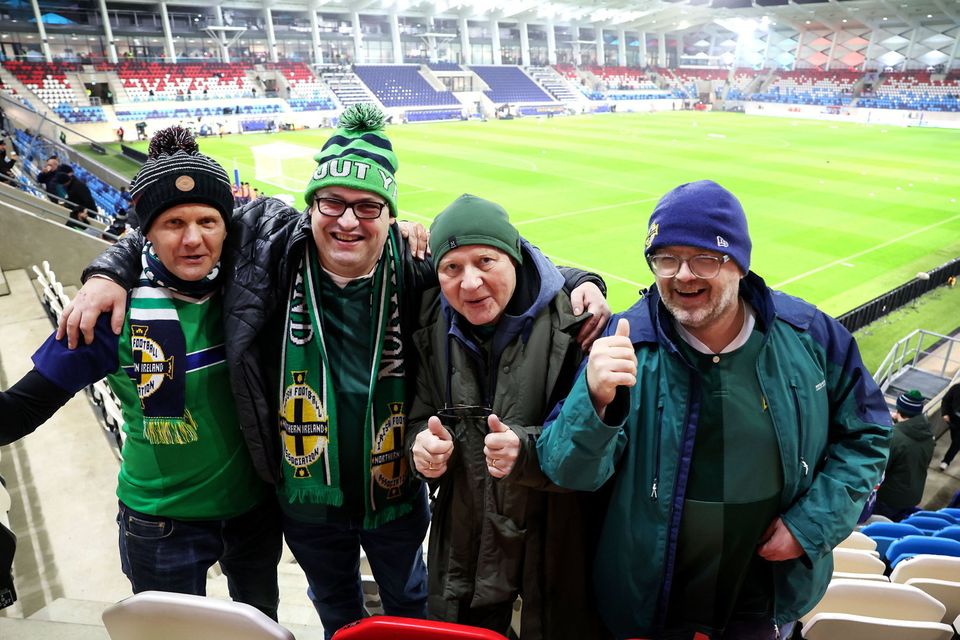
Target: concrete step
(27, 629)
(72, 611)
(4, 288)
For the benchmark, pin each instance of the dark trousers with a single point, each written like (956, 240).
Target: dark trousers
(954, 442)
(165, 554)
(329, 555)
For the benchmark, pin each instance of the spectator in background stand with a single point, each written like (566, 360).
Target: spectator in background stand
(80, 200)
(7, 161)
(911, 449)
(48, 178)
(120, 133)
(950, 410)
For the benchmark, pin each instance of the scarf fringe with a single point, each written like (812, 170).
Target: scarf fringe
(170, 430)
(317, 495)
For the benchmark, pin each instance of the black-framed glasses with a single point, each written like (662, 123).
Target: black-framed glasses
(702, 266)
(362, 209)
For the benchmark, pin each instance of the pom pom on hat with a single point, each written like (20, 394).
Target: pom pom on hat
(910, 403)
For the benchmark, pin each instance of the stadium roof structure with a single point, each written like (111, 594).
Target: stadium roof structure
(648, 15)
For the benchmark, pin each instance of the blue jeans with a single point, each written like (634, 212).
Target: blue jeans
(329, 555)
(165, 554)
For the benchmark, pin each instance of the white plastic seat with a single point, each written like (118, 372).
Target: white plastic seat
(158, 615)
(847, 575)
(877, 599)
(845, 626)
(926, 566)
(947, 592)
(857, 561)
(857, 540)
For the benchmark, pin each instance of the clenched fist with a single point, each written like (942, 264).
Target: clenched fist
(612, 363)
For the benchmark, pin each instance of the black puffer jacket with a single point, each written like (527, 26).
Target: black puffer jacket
(265, 243)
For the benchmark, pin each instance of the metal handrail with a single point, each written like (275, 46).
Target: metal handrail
(904, 354)
(31, 201)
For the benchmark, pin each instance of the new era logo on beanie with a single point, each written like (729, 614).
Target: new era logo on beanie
(177, 173)
(704, 215)
(357, 156)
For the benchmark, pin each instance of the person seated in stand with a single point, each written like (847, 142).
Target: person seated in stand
(188, 493)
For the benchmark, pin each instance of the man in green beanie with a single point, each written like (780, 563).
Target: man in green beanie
(341, 309)
(498, 350)
(911, 450)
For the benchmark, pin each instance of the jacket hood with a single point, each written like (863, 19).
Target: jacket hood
(916, 428)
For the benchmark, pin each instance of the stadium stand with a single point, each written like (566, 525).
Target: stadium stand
(402, 86)
(206, 109)
(145, 81)
(915, 90)
(556, 85)
(510, 84)
(826, 88)
(305, 91)
(347, 87)
(47, 80)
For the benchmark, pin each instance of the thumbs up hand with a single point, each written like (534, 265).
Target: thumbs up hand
(432, 449)
(612, 363)
(501, 448)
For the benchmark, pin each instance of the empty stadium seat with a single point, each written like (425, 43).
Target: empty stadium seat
(936, 514)
(926, 566)
(158, 615)
(402, 86)
(858, 540)
(952, 532)
(510, 84)
(947, 592)
(877, 599)
(845, 626)
(926, 524)
(857, 561)
(394, 628)
(914, 545)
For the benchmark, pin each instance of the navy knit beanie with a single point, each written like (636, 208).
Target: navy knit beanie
(910, 403)
(704, 215)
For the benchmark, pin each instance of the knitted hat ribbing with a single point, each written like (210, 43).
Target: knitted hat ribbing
(472, 220)
(704, 215)
(358, 156)
(910, 403)
(177, 173)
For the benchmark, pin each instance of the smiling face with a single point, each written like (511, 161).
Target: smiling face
(697, 303)
(478, 281)
(188, 239)
(348, 247)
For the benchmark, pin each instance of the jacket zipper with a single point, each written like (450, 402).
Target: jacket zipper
(656, 454)
(796, 406)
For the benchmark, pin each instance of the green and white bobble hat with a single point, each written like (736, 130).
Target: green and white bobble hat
(358, 156)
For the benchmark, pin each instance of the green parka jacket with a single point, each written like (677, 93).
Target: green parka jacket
(492, 540)
(831, 425)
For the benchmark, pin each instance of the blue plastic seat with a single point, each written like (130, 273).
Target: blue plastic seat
(890, 530)
(914, 545)
(952, 532)
(937, 514)
(927, 524)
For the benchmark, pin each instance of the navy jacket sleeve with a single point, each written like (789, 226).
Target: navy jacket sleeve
(57, 375)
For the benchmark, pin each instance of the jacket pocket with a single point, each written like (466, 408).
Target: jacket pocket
(499, 562)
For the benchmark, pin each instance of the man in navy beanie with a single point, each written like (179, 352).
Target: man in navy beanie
(738, 427)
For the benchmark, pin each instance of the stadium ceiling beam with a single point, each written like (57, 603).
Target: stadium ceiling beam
(947, 12)
(907, 21)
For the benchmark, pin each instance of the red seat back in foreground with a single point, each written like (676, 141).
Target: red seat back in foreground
(380, 627)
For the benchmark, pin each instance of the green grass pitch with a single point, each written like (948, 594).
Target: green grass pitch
(838, 213)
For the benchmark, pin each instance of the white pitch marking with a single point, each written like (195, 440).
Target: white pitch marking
(882, 245)
(570, 263)
(578, 212)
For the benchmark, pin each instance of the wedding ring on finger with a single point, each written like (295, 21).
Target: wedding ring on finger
(431, 466)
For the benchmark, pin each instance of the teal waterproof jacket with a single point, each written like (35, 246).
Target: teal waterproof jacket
(832, 427)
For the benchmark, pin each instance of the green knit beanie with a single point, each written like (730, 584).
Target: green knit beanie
(472, 220)
(358, 156)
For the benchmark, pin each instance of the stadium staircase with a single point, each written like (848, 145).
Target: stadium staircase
(348, 88)
(556, 85)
